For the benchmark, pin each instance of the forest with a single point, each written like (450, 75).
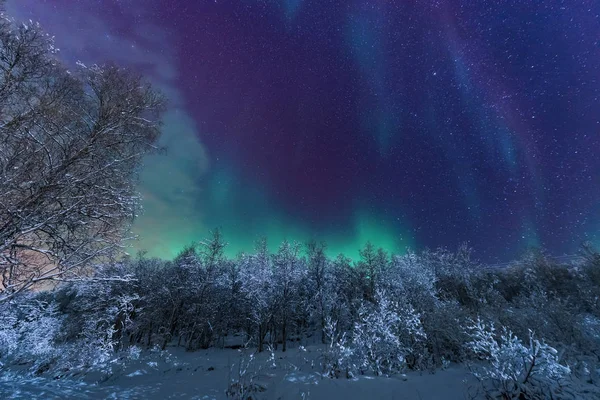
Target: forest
(527, 329)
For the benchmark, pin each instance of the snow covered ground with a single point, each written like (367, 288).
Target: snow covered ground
(207, 374)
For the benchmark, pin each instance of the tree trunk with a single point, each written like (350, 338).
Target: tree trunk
(149, 340)
(261, 337)
(284, 336)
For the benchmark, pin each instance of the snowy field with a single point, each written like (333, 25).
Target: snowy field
(206, 375)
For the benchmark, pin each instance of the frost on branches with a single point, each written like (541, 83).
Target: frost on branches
(385, 335)
(256, 273)
(70, 148)
(337, 358)
(78, 330)
(516, 369)
(28, 331)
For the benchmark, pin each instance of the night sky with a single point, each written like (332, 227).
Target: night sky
(410, 123)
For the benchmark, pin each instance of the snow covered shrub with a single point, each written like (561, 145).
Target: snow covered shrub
(133, 353)
(516, 369)
(9, 336)
(376, 341)
(337, 357)
(412, 335)
(38, 327)
(271, 361)
(101, 336)
(73, 330)
(431, 282)
(384, 335)
(557, 320)
(242, 380)
(28, 331)
(104, 311)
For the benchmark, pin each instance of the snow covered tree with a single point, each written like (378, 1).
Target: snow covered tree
(371, 265)
(206, 293)
(384, 335)
(28, 333)
(337, 358)
(345, 290)
(99, 320)
(70, 145)
(317, 279)
(288, 271)
(233, 307)
(454, 272)
(412, 280)
(516, 370)
(256, 272)
(211, 254)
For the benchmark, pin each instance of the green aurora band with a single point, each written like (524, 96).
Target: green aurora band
(182, 203)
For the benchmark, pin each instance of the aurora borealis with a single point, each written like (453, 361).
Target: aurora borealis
(410, 123)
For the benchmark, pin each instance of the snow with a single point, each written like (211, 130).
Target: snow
(206, 374)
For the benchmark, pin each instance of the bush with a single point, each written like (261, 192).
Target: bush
(337, 358)
(385, 335)
(516, 370)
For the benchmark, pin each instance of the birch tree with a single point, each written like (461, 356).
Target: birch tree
(71, 143)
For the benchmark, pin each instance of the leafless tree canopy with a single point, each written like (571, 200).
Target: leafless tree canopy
(70, 144)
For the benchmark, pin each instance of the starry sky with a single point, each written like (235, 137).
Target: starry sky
(410, 123)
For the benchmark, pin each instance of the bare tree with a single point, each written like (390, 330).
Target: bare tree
(317, 268)
(287, 274)
(70, 146)
(371, 265)
(257, 277)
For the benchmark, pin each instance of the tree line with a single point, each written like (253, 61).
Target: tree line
(379, 314)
